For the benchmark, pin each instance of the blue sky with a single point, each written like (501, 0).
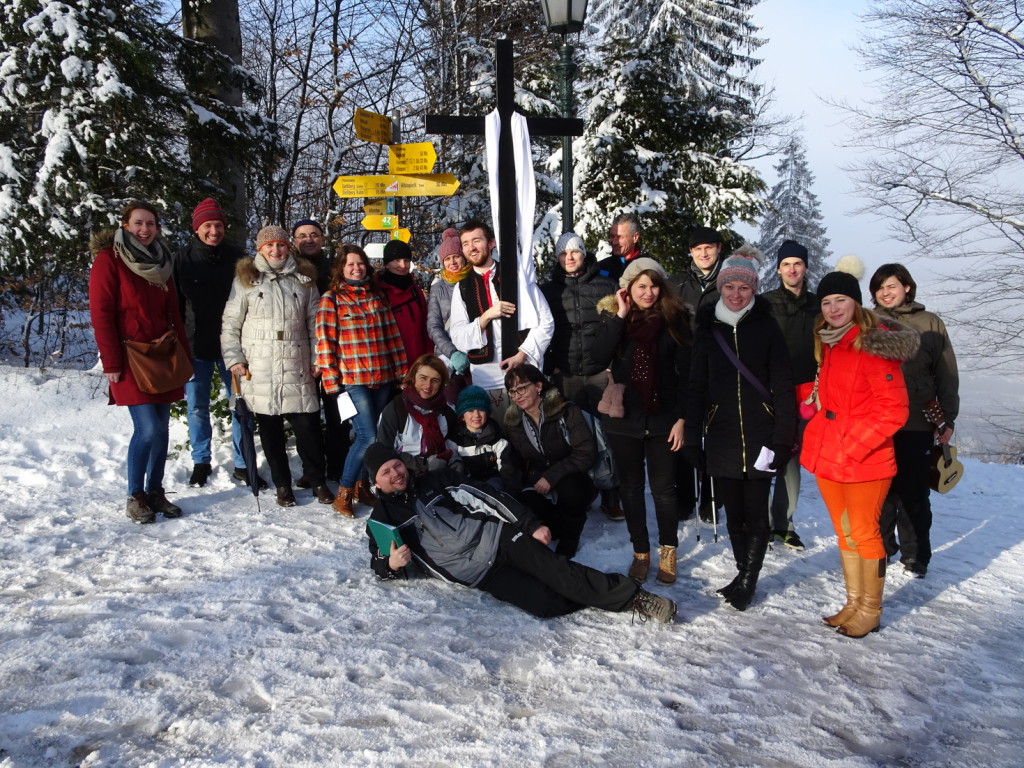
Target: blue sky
(808, 58)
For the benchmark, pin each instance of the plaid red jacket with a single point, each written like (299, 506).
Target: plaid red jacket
(357, 340)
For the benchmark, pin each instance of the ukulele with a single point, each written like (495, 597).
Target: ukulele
(946, 470)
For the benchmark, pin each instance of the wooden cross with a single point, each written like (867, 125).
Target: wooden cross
(474, 126)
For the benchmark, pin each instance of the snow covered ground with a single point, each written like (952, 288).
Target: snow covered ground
(238, 637)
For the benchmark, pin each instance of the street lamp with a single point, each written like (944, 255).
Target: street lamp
(565, 17)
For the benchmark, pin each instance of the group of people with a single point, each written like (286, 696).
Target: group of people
(702, 389)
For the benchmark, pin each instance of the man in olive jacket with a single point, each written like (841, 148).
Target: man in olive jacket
(794, 308)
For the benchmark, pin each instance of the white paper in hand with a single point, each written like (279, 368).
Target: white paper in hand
(346, 408)
(764, 459)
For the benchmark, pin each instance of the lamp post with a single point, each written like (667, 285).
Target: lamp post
(566, 17)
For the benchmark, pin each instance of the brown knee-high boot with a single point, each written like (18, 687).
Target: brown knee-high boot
(851, 572)
(866, 617)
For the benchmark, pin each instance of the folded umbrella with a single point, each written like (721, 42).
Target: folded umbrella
(247, 443)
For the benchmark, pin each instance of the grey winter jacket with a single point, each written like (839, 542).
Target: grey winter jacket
(269, 324)
(439, 310)
(452, 525)
(932, 373)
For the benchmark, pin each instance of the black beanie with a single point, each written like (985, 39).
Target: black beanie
(396, 249)
(842, 283)
(791, 249)
(376, 456)
(702, 235)
(307, 223)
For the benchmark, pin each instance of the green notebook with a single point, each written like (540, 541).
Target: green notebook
(384, 534)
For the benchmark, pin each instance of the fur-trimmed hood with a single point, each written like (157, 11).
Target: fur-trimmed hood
(249, 273)
(101, 241)
(891, 340)
(552, 405)
(609, 305)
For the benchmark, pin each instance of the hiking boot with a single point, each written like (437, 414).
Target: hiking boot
(918, 569)
(667, 565)
(790, 539)
(364, 493)
(241, 474)
(640, 567)
(138, 510)
(323, 493)
(158, 503)
(614, 512)
(343, 502)
(303, 482)
(285, 497)
(200, 474)
(651, 606)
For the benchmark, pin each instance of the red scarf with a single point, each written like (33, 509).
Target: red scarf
(427, 413)
(643, 330)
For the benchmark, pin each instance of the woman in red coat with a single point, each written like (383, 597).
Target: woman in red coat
(848, 442)
(131, 296)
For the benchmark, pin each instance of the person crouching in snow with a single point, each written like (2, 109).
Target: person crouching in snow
(465, 533)
(848, 443)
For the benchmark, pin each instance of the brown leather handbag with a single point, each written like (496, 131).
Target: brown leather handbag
(158, 366)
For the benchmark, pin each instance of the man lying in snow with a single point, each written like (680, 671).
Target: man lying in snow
(463, 532)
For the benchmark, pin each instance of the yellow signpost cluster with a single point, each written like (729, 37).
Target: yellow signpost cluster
(409, 175)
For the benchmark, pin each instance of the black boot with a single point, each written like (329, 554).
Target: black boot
(743, 593)
(739, 551)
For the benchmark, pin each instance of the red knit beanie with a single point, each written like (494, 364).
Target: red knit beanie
(208, 210)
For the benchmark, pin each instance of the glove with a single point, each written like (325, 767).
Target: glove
(783, 453)
(459, 361)
(695, 458)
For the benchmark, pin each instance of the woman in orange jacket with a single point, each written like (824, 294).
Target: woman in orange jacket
(862, 402)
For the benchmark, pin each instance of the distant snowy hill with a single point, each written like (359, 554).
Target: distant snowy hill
(243, 637)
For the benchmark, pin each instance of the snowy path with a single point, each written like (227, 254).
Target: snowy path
(233, 637)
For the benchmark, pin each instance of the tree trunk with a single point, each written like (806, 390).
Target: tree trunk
(216, 23)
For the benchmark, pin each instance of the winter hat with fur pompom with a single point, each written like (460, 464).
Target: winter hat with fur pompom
(845, 281)
(742, 265)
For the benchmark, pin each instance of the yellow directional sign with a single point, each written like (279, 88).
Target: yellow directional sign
(380, 222)
(373, 127)
(375, 207)
(401, 234)
(408, 185)
(411, 158)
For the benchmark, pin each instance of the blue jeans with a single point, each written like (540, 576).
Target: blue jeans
(147, 450)
(369, 403)
(197, 393)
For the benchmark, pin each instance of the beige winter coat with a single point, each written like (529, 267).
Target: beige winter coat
(270, 325)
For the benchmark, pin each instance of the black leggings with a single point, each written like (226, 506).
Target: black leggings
(746, 504)
(308, 443)
(631, 454)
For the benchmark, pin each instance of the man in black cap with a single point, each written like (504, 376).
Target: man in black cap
(794, 308)
(463, 532)
(697, 284)
(308, 239)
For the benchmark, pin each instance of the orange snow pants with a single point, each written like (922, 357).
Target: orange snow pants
(855, 509)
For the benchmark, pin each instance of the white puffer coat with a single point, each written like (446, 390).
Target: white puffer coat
(270, 324)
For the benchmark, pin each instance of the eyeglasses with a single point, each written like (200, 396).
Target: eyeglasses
(521, 390)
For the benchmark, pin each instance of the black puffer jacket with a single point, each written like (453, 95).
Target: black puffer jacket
(203, 277)
(696, 289)
(612, 347)
(795, 316)
(573, 302)
(736, 419)
(524, 463)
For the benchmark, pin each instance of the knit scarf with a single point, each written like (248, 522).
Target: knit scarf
(454, 277)
(399, 281)
(833, 336)
(729, 317)
(643, 330)
(152, 264)
(427, 413)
